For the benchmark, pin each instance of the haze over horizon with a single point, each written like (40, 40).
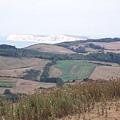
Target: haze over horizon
(94, 18)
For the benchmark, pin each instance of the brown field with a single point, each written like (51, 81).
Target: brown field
(54, 72)
(50, 48)
(15, 66)
(106, 72)
(27, 86)
(109, 45)
(114, 51)
(4, 79)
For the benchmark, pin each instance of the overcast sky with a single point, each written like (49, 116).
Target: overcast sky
(48, 17)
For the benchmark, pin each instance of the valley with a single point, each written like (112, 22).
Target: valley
(70, 61)
(68, 80)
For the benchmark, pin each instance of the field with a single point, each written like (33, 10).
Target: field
(73, 70)
(106, 72)
(7, 84)
(50, 48)
(14, 67)
(109, 45)
(26, 86)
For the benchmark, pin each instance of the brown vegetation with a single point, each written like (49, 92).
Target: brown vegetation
(15, 67)
(50, 48)
(109, 45)
(105, 72)
(86, 101)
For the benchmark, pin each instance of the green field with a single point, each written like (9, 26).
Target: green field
(7, 84)
(75, 70)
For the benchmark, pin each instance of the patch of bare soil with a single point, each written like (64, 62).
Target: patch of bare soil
(105, 72)
(73, 69)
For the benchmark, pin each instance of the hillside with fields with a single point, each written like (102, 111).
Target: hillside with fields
(82, 70)
(55, 82)
(94, 45)
(12, 71)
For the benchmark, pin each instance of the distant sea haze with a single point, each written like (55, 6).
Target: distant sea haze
(18, 44)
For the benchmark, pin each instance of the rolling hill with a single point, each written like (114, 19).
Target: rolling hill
(50, 48)
(14, 67)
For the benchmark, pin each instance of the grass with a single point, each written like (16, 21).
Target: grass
(77, 70)
(77, 99)
(50, 48)
(106, 72)
(7, 84)
(15, 67)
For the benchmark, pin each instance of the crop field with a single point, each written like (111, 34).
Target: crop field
(7, 84)
(23, 86)
(14, 67)
(75, 70)
(109, 45)
(106, 72)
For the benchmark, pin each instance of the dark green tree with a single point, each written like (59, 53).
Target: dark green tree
(59, 82)
(7, 91)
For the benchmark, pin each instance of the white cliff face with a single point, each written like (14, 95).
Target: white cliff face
(45, 39)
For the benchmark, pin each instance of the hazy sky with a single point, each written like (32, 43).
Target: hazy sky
(48, 17)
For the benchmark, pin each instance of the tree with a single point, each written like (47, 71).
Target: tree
(59, 82)
(31, 74)
(7, 91)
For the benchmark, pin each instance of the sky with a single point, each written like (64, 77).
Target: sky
(47, 17)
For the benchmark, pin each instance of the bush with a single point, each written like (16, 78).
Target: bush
(7, 91)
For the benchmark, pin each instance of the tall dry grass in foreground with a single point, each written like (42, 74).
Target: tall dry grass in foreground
(57, 103)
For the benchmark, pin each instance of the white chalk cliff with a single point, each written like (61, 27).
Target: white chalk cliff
(45, 39)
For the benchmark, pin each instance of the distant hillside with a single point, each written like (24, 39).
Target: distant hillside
(94, 45)
(50, 48)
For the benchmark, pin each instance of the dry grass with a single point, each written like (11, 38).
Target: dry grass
(110, 113)
(83, 101)
(27, 86)
(109, 45)
(50, 48)
(105, 72)
(15, 66)
(114, 51)
(55, 72)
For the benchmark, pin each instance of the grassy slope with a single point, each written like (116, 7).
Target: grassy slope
(10, 66)
(77, 70)
(50, 48)
(7, 84)
(106, 72)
